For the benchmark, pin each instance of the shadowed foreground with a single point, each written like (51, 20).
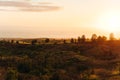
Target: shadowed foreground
(60, 61)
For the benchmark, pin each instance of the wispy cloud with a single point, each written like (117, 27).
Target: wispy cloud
(26, 5)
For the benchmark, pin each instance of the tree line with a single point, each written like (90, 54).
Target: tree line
(80, 39)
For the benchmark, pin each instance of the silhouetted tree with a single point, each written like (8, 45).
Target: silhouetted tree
(72, 40)
(79, 39)
(33, 42)
(75, 41)
(12, 41)
(94, 38)
(99, 39)
(111, 37)
(83, 38)
(47, 40)
(64, 41)
(17, 42)
(104, 38)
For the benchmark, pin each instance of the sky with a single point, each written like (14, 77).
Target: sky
(58, 18)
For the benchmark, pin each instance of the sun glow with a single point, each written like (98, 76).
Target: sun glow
(109, 22)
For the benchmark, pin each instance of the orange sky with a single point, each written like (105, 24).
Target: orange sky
(66, 18)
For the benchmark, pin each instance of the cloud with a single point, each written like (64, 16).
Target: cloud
(27, 6)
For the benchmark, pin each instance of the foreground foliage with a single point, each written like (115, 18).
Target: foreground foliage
(87, 61)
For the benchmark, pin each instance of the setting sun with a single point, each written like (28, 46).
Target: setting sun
(109, 22)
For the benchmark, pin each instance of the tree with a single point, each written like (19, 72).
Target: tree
(33, 42)
(47, 40)
(72, 40)
(99, 39)
(83, 38)
(104, 38)
(79, 40)
(17, 42)
(94, 38)
(111, 37)
(64, 41)
(12, 41)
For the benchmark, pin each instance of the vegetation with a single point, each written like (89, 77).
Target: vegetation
(55, 59)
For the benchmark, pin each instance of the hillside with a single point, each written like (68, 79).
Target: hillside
(71, 61)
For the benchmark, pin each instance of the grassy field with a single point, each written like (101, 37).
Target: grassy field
(59, 60)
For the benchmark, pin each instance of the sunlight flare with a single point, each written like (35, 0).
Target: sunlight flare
(109, 22)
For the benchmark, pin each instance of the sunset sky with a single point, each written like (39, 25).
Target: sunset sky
(58, 18)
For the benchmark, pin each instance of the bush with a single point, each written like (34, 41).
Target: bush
(24, 67)
(11, 75)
